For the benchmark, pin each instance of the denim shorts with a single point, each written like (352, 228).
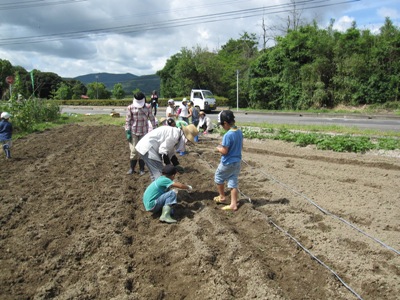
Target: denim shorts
(229, 173)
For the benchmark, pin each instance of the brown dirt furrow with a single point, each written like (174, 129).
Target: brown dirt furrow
(73, 225)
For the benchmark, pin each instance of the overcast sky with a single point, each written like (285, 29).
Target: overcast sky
(78, 37)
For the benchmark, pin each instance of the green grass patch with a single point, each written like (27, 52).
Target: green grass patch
(329, 137)
(336, 129)
(338, 142)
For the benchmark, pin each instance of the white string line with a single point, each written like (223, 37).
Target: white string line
(326, 211)
(300, 245)
(317, 259)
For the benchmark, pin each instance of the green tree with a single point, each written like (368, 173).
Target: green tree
(386, 64)
(118, 91)
(167, 76)
(78, 89)
(97, 90)
(5, 70)
(64, 92)
(18, 87)
(237, 56)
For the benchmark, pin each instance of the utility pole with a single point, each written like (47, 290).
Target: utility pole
(97, 87)
(237, 90)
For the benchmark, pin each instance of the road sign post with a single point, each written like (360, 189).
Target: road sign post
(10, 81)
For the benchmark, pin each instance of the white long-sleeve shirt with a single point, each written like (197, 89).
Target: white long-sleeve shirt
(206, 120)
(161, 140)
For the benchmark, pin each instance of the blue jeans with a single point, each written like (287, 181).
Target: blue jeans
(168, 198)
(229, 173)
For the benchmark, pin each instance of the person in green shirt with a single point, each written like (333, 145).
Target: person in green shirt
(159, 195)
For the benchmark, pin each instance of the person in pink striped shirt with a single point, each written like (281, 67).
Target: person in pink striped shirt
(136, 126)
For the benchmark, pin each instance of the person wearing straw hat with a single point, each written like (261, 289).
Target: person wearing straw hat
(157, 148)
(6, 130)
(136, 126)
(162, 121)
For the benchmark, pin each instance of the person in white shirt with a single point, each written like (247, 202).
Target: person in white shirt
(184, 111)
(158, 147)
(170, 111)
(205, 123)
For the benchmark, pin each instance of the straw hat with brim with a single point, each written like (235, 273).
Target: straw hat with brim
(162, 120)
(138, 103)
(202, 113)
(190, 132)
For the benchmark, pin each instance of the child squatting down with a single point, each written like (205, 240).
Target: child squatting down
(161, 194)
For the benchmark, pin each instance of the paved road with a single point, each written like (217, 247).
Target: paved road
(376, 122)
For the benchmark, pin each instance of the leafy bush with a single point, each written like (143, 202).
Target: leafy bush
(346, 143)
(286, 135)
(26, 114)
(338, 143)
(305, 139)
(388, 144)
(88, 102)
(221, 101)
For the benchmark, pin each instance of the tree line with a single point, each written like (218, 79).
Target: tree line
(309, 67)
(48, 85)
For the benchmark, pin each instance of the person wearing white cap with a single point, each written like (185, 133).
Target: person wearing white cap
(136, 126)
(158, 147)
(170, 112)
(6, 133)
(184, 111)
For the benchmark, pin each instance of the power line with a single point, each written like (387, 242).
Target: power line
(181, 22)
(35, 3)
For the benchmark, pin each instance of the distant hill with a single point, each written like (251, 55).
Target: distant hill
(130, 82)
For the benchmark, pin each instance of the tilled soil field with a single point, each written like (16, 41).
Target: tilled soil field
(311, 224)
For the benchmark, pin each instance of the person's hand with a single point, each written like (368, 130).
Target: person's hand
(179, 169)
(128, 135)
(205, 132)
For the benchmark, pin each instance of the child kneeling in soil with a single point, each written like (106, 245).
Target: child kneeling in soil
(158, 195)
(229, 166)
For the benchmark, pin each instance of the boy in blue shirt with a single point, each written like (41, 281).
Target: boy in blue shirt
(158, 195)
(6, 133)
(229, 167)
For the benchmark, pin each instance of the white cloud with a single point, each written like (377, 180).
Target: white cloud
(65, 43)
(343, 23)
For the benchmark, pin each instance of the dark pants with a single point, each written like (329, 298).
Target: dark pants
(154, 106)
